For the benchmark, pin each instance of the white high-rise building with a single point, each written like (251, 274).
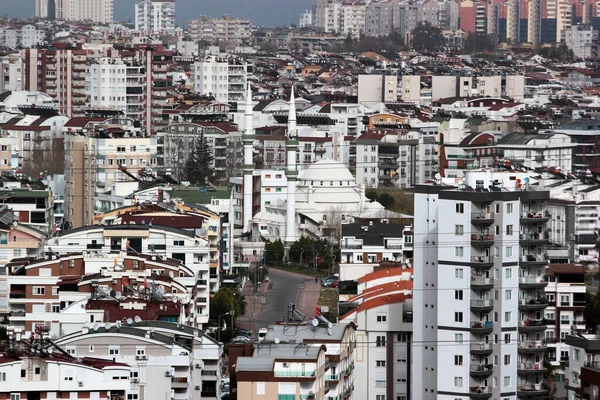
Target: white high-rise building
(478, 305)
(155, 15)
(105, 84)
(224, 79)
(100, 11)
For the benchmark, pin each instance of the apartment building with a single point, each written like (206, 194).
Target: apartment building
(565, 292)
(583, 40)
(395, 158)
(155, 16)
(583, 366)
(479, 246)
(339, 344)
(23, 36)
(283, 371)
(106, 84)
(100, 11)
(369, 243)
(12, 73)
(225, 29)
(33, 206)
(48, 374)
(99, 156)
(540, 150)
(381, 307)
(166, 359)
(225, 143)
(377, 88)
(222, 78)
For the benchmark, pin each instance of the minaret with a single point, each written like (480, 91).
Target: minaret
(291, 144)
(248, 139)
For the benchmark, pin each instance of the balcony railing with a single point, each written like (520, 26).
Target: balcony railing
(483, 217)
(482, 303)
(532, 280)
(480, 389)
(477, 280)
(540, 344)
(351, 246)
(481, 259)
(482, 325)
(294, 374)
(592, 364)
(481, 346)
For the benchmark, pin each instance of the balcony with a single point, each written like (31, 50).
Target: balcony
(481, 349)
(539, 346)
(482, 240)
(481, 370)
(179, 382)
(534, 217)
(353, 246)
(531, 260)
(482, 327)
(533, 325)
(332, 377)
(482, 283)
(530, 368)
(482, 218)
(533, 304)
(481, 262)
(531, 391)
(482, 305)
(532, 282)
(480, 392)
(535, 238)
(294, 374)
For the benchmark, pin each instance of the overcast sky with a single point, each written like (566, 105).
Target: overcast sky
(262, 12)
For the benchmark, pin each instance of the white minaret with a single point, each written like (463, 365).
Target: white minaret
(291, 144)
(248, 139)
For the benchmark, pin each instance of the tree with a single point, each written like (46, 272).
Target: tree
(479, 41)
(426, 37)
(332, 225)
(591, 314)
(223, 302)
(274, 252)
(198, 166)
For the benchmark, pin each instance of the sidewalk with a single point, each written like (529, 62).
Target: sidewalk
(310, 297)
(245, 321)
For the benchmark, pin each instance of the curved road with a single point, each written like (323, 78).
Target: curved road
(283, 287)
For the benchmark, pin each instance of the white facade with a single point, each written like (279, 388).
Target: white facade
(105, 84)
(25, 37)
(478, 250)
(583, 40)
(306, 19)
(155, 16)
(162, 364)
(224, 79)
(100, 11)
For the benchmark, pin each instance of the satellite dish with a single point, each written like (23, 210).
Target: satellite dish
(314, 322)
(137, 319)
(161, 289)
(174, 299)
(117, 295)
(438, 176)
(202, 231)
(276, 340)
(330, 331)
(526, 179)
(84, 331)
(129, 321)
(107, 326)
(96, 326)
(329, 325)
(118, 324)
(171, 274)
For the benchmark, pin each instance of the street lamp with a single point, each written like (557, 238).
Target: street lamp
(219, 324)
(256, 283)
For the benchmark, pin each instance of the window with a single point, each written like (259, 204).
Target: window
(380, 397)
(380, 341)
(15, 396)
(56, 309)
(509, 230)
(140, 351)
(2, 376)
(509, 208)
(506, 381)
(132, 396)
(459, 230)
(564, 299)
(458, 295)
(380, 363)
(458, 273)
(38, 290)
(508, 273)
(113, 350)
(458, 317)
(507, 338)
(507, 294)
(507, 316)
(458, 382)
(458, 360)
(381, 317)
(576, 354)
(460, 208)
(458, 251)
(71, 350)
(178, 243)
(458, 338)
(402, 337)
(507, 359)
(508, 251)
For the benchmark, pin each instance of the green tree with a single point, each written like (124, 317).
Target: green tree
(386, 200)
(198, 166)
(426, 37)
(222, 303)
(591, 314)
(479, 41)
(274, 252)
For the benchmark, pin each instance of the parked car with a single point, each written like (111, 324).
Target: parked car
(242, 332)
(327, 282)
(241, 339)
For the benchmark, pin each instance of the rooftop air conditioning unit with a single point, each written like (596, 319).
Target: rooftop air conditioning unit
(135, 380)
(137, 357)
